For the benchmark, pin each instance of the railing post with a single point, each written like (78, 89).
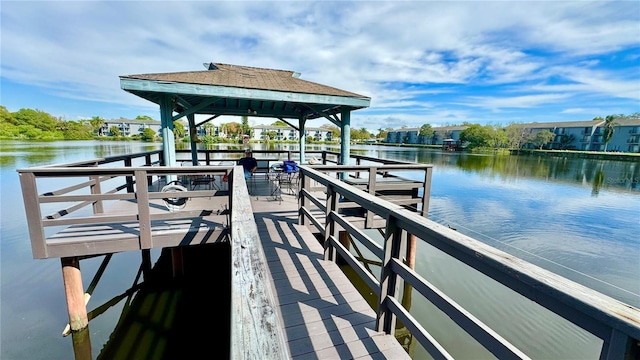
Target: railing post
(393, 243)
(34, 214)
(371, 186)
(96, 189)
(426, 194)
(144, 215)
(127, 163)
(618, 346)
(305, 184)
(329, 224)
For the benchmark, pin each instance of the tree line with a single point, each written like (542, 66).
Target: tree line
(30, 124)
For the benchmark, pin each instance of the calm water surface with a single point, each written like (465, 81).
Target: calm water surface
(576, 217)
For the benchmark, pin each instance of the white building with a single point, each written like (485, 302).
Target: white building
(128, 127)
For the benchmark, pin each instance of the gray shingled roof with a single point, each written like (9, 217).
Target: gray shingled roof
(248, 78)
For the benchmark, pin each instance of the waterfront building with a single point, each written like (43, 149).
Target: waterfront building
(279, 132)
(589, 135)
(569, 135)
(128, 127)
(436, 137)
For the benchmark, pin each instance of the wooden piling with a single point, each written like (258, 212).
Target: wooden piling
(82, 344)
(74, 292)
(177, 264)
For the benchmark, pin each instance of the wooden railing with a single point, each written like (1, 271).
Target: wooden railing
(256, 331)
(616, 323)
(88, 187)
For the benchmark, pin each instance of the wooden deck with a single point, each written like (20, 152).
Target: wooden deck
(323, 314)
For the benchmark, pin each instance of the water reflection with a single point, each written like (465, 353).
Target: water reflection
(598, 173)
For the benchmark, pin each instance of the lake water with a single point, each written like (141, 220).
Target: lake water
(576, 217)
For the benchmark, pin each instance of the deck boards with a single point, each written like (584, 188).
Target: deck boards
(323, 314)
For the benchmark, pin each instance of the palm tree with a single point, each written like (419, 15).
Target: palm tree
(96, 124)
(607, 131)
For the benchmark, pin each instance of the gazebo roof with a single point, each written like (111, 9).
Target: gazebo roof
(226, 89)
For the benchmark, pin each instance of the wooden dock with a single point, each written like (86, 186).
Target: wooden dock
(323, 314)
(286, 300)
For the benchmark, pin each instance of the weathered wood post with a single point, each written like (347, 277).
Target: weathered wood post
(345, 240)
(74, 292)
(82, 344)
(389, 286)
(305, 183)
(329, 225)
(373, 172)
(410, 262)
(177, 262)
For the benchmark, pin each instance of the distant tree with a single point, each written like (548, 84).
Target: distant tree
(114, 131)
(179, 131)
(499, 137)
(143, 117)
(382, 133)
(96, 124)
(5, 115)
(608, 128)
(271, 134)
(36, 118)
(209, 129)
(75, 130)
(279, 123)
(245, 128)
(148, 135)
(541, 138)
(335, 131)
(360, 134)
(516, 135)
(566, 140)
(426, 131)
(232, 129)
(477, 136)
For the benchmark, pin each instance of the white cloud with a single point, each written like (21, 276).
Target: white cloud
(416, 56)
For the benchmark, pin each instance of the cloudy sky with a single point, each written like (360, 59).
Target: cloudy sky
(435, 62)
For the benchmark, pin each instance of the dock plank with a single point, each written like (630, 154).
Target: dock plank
(323, 314)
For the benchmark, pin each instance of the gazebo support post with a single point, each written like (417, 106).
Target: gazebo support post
(166, 124)
(193, 134)
(345, 139)
(302, 122)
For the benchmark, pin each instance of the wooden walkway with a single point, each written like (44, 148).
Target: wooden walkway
(323, 314)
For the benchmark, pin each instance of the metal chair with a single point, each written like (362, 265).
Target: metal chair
(196, 180)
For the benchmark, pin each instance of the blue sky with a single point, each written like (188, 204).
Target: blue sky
(435, 62)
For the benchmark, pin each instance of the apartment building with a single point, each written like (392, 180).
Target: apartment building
(569, 135)
(128, 127)
(273, 132)
(436, 137)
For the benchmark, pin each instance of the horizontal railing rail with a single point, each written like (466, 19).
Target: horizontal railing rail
(616, 323)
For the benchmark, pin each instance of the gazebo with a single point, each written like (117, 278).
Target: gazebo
(224, 89)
